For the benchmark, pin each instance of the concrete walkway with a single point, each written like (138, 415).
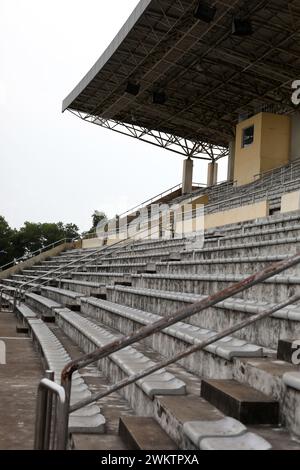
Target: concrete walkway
(18, 386)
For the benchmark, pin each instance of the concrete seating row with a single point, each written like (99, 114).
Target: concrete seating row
(226, 348)
(86, 420)
(283, 324)
(129, 360)
(224, 434)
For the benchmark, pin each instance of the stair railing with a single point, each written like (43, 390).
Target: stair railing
(146, 331)
(37, 252)
(58, 273)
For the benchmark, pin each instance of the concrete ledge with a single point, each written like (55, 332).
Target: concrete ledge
(36, 259)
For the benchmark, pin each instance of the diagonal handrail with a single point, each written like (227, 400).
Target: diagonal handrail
(39, 251)
(81, 261)
(181, 314)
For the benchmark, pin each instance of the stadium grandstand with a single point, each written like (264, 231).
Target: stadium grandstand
(176, 328)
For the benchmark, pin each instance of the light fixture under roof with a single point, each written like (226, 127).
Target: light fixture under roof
(159, 97)
(133, 88)
(242, 27)
(205, 12)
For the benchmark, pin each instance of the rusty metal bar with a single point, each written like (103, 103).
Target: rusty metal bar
(198, 347)
(44, 416)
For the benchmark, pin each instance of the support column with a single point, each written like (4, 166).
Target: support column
(187, 177)
(231, 157)
(212, 174)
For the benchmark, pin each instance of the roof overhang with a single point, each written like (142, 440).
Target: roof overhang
(210, 76)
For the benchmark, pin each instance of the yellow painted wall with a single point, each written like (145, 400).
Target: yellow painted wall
(275, 141)
(231, 216)
(270, 148)
(238, 214)
(290, 202)
(218, 219)
(247, 159)
(92, 243)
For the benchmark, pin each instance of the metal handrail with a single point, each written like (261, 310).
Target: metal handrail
(167, 191)
(274, 171)
(124, 242)
(37, 252)
(49, 423)
(144, 204)
(182, 314)
(255, 195)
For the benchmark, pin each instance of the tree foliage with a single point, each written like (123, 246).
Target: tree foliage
(31, 237)
(97, 217)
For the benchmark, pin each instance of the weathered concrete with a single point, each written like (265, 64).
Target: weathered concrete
(19, 380)
(37, 259)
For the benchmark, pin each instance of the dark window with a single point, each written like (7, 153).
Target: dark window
(248, 136)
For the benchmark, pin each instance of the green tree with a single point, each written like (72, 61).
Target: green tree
(97, 217)
(6, 242)
(31, 237)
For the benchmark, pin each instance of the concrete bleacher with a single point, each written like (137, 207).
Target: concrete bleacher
(242, 392)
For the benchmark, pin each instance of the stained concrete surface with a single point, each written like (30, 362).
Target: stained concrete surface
(19, 380)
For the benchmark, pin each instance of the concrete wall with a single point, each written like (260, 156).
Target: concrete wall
(39, 258)
(231, 216)
(275, 141)
(290, 202)
(218, 219)
(92, 243)
(270, 148)
(238, 214)
(247, 159)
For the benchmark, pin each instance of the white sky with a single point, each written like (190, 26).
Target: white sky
(53, 166)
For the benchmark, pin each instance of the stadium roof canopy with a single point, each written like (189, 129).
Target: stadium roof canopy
(204, 76)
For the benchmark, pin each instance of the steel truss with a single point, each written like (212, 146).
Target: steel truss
(182, 146)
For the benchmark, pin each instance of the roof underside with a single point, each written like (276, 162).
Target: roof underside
(209, 75)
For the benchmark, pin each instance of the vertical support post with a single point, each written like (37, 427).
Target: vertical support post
(212, 173)
(231, 157)
(187, 177)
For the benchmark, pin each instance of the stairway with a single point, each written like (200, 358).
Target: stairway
(241, 393)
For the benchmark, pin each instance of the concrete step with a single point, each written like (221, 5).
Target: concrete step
(225, 266)
(260, 248)
(240, 401)
(266, 333)
(144, 433)
(86, 288)
(172, 339)
(193, 423)
(67, 298)
(55, 358)
(42, 306)
(276, 233)
(90, 442)
(89, 336)
(275, 289)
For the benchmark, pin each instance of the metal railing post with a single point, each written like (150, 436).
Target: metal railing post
(49, 374)
(40, 423)
(45, 429)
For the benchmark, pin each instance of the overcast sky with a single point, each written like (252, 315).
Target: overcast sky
(54, 167)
